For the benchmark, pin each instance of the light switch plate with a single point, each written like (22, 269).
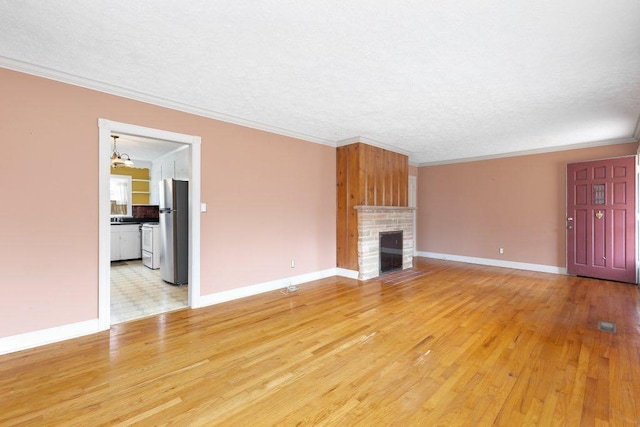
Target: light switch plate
(203, 207)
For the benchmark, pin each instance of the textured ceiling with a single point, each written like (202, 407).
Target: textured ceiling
(438, 80)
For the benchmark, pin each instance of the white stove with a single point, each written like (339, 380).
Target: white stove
(151, 245)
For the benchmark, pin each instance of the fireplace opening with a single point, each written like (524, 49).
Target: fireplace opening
(390, 251)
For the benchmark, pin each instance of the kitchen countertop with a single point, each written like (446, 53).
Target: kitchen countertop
(138, 221)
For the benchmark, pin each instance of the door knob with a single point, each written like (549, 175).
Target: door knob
(569, 227)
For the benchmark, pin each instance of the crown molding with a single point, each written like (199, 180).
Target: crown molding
(63, 77)
(534, 151)
(636, 132)
(368, 141)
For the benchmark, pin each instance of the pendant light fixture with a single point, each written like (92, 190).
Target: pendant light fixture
(119, 160)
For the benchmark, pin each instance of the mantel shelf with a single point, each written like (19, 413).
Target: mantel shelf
(367, 208)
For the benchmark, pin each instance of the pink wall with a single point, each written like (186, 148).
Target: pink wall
(270, 199)
(413, 170)
(517, 203)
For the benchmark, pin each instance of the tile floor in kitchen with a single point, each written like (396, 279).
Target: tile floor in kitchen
(138, 291)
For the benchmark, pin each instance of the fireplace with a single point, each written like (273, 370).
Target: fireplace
(374, 224)
(390, 251)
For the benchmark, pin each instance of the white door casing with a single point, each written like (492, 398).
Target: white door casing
(413, 194)
(106, 127)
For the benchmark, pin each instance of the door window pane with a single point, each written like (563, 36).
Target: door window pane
(599, 196)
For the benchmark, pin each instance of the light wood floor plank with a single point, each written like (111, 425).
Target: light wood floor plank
(459, 345)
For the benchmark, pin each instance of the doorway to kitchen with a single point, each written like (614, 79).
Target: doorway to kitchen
(137, 286)
(132, 287)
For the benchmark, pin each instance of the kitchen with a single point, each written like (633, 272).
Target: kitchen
(149, 227)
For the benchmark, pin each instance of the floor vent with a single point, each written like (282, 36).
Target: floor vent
(607, 326)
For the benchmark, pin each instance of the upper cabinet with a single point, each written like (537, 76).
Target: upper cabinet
(176, 165)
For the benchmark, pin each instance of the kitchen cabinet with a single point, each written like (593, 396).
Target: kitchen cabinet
(176, 165)
(125, 242)
(182, 165)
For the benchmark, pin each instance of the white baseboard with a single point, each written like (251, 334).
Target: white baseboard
(259, 288)
(343, 272)
(47, 336)
(496, 263)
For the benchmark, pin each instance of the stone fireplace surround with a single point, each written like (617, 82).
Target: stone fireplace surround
(375, 219)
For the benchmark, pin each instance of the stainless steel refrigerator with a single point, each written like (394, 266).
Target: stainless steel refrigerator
(174, 231)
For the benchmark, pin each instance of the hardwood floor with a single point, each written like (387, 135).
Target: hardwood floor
(460, 345)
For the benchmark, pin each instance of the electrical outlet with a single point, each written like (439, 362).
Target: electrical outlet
(293, 264)
(501, 250)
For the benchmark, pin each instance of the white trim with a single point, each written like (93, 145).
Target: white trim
(566, 215)
(350, 274)
(636, 132)
(533, 151)
(49, 73)
(47, 336)
(60, 76)
(496, 263)
(104, 230)
(194, 222)
(105, 128)
(413, 197)
(372, 142)
(637, 233)
(259, 288)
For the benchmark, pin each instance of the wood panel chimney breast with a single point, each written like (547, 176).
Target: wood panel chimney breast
(366, 176)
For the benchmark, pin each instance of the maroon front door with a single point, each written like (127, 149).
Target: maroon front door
(601, 219)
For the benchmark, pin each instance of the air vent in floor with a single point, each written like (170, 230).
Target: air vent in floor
(607, 326)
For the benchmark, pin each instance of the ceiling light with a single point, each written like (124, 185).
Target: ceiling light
(119, 160)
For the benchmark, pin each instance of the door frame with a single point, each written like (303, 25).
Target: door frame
(413, 203)
(637, 217)
(106, 127)
(637, 209)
